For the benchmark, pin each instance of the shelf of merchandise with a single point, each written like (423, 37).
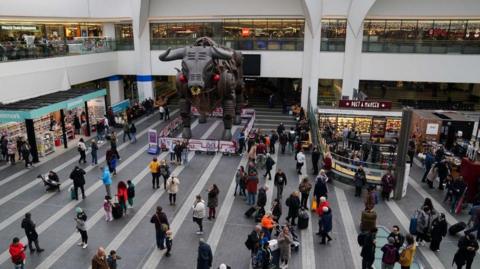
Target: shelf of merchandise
(13, 130)
(45, 144)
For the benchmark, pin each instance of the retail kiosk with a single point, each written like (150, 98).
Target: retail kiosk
(47, 121)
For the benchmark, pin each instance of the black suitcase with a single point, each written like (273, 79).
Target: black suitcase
(259, 214)
(302, 220)
(250, 212)
(456, 228)
(117, 211)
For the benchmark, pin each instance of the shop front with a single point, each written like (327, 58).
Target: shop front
(46, 122)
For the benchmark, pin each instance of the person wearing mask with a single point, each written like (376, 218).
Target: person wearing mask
(99, 261)
(325, 225)
(154, 167)
(439, 231)
(212, 201)
(172, 188)
(315, 159)
(408, 253)
(78, 177)
(304, 187)
(300, 161)
(425, 215)
(269, 163)
(397, 237)
(280, 181)
(205, 256)
(29, 226)
(252, 184)
(368, 245)
(107, 180)
(359, 179)
(94, 147)
(285, 239)
(81, 225)
(388, 183)
(467, 249)
(390, 254)
(199, 213)
(161, 226)
(320, 188)
(293, 204)
(17, 253)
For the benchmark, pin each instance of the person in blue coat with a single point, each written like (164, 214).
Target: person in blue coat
(205, 256)
(326, 225)
(107, 180)
(429, 161)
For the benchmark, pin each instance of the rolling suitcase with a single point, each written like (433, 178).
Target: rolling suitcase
(303, 219)
(117, 211)
(456, 228)
(250, 212)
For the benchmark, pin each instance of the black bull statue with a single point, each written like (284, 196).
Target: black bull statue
(211, 76)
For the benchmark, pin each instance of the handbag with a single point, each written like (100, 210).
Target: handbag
(314, 205)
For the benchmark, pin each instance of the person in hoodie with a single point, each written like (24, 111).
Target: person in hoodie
(78, 177)
(107, 180)
(29, 226)
(205, 256)
(390, 254)
(17, 253)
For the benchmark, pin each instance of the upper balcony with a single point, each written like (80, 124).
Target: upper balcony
(30, 49)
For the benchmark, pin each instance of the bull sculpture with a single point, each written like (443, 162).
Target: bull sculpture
(211, 76)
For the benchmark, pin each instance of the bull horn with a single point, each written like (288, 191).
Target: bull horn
(171, 55)
(220, 53)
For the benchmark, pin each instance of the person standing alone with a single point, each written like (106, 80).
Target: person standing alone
(161, 226)
(78, 177)
(300, 161)
(82, 149)
(29, 226)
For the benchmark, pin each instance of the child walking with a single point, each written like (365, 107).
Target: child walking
(107, 206)
(168, 242)
(112, 259)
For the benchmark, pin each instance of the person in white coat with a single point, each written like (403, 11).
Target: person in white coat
(172, 189)
(199, 213)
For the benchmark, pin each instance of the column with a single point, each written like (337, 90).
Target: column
(141, 40)
(87, 129)
(353, 45)
(32, 140)
(64, 129)
(116, 90)
(402, 168)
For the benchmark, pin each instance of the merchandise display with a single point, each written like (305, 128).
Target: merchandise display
(378, 127)
(45, 144)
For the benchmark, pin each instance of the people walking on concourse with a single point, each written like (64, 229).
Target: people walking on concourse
(81, 225)
(300, 161)
(269, 163)
(112, 259)
(107, 180)
(320, 188)
(130, 192)
(25, 150)
(99, 260)
(388, 184)
(199, 213)
(108, 207)
(164, 172)
(78, 177)
(126, 131)
(304, 188)
(326, 225)
(280, 181)
(439, 231)
(240, 181)
(293, 204)
(212, 201)
(122, 195)
(82, 149)
(94, 147)
(467, 249)
(161, 226)
(32, 236)
(252, 183)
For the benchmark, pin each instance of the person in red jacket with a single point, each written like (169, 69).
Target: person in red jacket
(252, 183)
(327, 162)
(17, 253)
(323, 202)
(122, 194)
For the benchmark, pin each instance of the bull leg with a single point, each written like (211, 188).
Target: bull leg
(238, 107)
(185, 113)
(228, 115)
(202, 118)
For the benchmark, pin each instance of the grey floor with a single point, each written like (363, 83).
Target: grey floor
(53, 213)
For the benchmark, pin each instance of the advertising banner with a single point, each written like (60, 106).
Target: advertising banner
(227, 146)
(365, 104)
(170, 128)
(152, 141)
(203, 145)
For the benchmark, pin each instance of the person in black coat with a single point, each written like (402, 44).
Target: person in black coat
(161, 226)
(205, 256)
(315, 159)
(280, 181)
(269, 163)
(467, 248)
(293, 203)
(439, 231)
(273, 141)
(320, 188)
(78, 177)
(397, 237)
(32, 236)
(443, 172)
(262, 197)
(368, 249)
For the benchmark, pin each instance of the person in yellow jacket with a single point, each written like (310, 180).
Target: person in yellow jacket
(408, 253)
(155, 170)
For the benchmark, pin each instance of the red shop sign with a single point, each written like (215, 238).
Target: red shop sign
(365, 104)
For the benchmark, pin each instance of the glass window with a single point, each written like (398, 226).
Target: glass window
(392, 30)
(425, 30)
(333, 35)
(231, 29)
(473, 30)
(376, 30)
(409, 29)
(124, 31)
(245, 27)
(292, 28)
(260, 29)
(457, 30)
(440, 30)
(275, 28)
(54, 32)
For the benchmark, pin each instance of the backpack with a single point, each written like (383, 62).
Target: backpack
(131, 192)
(361, 238)
(107, 206)
(249, 243)
(390, 255)
(280, 180)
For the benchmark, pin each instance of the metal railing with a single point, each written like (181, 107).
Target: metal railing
(291, 44)
(423, 46)
(15, 51)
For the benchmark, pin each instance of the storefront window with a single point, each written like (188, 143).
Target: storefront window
(329, 92)
(419, 36)
(333, 35)
(124, 36)
(243, 34)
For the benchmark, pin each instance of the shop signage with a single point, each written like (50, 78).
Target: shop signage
(432, 129)
(19, 27)
(8, 116)
(121, 106)
(74, 103)
(365, 104)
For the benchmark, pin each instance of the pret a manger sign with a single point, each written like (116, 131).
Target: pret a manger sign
(365, 104)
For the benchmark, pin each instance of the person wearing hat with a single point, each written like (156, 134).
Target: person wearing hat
(81, 226)
(269, 163)
(390, 254)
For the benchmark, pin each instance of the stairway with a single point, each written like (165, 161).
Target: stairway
(269, 118)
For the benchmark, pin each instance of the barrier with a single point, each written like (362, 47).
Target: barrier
(166, 138)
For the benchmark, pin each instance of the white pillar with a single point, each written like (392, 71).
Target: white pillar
(141, 40)
(116, 90)
(109, 30)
